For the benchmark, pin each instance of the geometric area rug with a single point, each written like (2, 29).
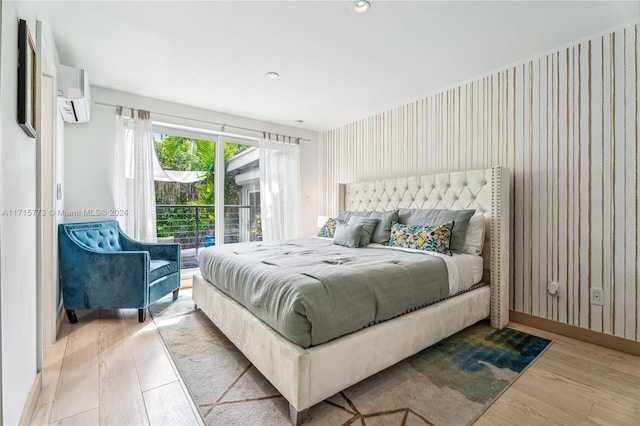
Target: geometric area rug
(450, 383)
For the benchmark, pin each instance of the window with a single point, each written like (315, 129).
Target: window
(197, 206)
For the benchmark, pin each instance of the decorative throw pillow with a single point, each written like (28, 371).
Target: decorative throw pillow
(348, 235)
(368, 226)
(430, 216)
(381, 233)
(329, 228)
(429, 238)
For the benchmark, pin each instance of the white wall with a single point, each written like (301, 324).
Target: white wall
(1, 109)
(89, 149)
(59, 203)
(18, 285)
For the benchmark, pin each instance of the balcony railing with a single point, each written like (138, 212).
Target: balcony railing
(193, 227)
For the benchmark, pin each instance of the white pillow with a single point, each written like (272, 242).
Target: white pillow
(475, 235)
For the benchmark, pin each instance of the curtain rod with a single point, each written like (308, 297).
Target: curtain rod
(223, 125)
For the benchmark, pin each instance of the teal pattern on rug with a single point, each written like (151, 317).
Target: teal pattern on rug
(464, 361)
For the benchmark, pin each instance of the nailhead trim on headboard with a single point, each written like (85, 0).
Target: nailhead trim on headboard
(500, 238)
(496, 232)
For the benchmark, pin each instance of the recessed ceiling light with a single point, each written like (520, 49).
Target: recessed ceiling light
(361, 6)
(272, 74)
(299, 121)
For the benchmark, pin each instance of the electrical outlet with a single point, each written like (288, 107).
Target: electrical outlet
(553, 287)
(597, 296)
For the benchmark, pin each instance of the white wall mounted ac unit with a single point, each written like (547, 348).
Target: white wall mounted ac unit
(74, 99)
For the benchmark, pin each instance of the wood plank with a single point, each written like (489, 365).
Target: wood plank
(165, 350)
(517, 408)
(613, 413)
(51, 368)
(186, 283)
(77, 390)
(151, 360)
(494, 416)
(565, 396)
(605, 378)
(121, 401)
(576, 393)
(169, 405)
(85, 418)
(42, 414)
(629, 364)
(192, 404)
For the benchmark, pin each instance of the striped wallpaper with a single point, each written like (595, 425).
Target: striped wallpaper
(566, 124)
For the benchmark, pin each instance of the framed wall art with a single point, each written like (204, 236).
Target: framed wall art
(27, 80)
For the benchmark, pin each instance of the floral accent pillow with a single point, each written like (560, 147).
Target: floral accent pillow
(435, 238)
(329, 228)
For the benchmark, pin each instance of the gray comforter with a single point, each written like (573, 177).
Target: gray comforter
(312, 291)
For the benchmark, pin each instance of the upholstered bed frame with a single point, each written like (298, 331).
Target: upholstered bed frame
(307, 376)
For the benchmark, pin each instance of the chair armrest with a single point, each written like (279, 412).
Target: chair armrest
(158, 251)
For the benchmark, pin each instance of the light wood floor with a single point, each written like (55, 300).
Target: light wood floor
(109, 369)
(571, 383)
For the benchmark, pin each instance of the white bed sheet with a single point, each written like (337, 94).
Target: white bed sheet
(464, 269)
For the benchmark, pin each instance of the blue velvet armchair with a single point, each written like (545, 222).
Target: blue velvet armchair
(102, 268)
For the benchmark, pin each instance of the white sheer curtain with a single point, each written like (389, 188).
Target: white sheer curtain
(279, 189)
(133, 176)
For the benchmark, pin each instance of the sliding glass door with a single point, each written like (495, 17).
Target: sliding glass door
(207, 191)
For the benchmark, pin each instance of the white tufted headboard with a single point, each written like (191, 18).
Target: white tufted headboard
(487, 191)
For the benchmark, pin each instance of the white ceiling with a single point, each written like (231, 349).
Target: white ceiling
(336, 66)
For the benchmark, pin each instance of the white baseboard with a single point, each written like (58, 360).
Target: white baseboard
(32, 401)
(60, 318)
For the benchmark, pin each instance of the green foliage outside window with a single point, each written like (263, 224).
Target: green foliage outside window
(185, 154)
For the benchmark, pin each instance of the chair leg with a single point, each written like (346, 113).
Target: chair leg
(71, 314)
(142, 315)
(175, 293)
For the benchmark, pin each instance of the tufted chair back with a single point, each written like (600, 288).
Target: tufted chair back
(100, 236)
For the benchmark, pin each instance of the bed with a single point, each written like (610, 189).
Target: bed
(307, 373)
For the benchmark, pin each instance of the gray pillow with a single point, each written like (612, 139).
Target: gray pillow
(383, 229)
(368, 227)
(460, 219)
(346, 215)
(347, 235)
